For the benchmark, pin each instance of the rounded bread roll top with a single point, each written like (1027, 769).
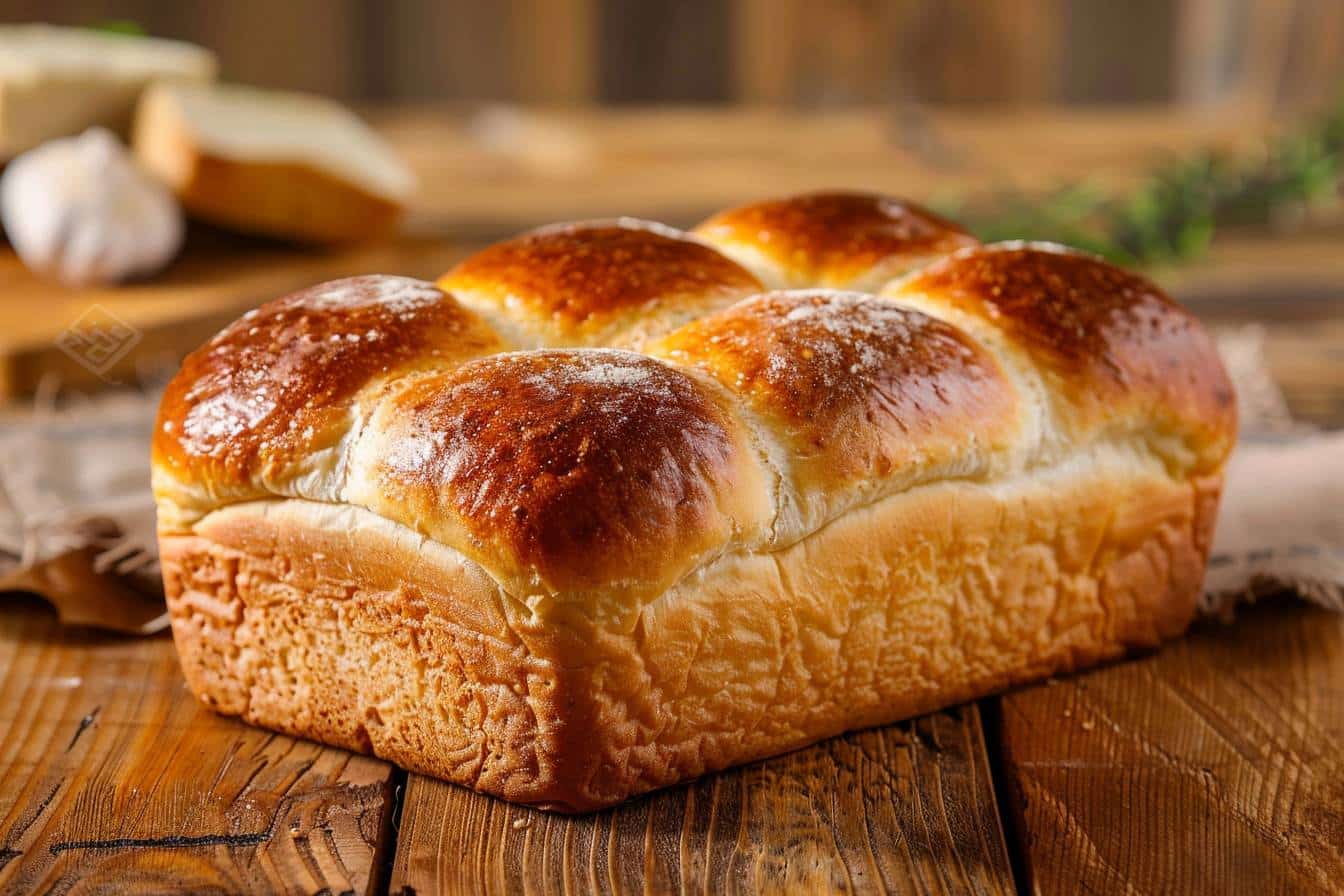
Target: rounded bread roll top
(613, 283)
(565, 470)
(267, 405)
(834, 239)
(1107, 348)
(855, 396)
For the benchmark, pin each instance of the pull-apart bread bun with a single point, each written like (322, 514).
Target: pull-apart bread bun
(599, 513)
(836, 240)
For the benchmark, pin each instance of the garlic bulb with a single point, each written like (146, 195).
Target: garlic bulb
(80, 210)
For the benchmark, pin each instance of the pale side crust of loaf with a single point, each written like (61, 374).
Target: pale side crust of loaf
(335, 624)
(286, 200)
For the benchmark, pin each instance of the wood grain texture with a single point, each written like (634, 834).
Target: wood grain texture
(904, 809)
(494, 171)
(1215, 766)
(961, 51)
(113, 779)
(1293, 289)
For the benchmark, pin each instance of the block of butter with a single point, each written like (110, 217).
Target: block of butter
(55, 81)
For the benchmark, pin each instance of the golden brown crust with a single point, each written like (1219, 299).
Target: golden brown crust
(1111, 342)
(834, 239)
(572, 284)
(933, 597)
(446, 684)
(582, 469)
(930, 598)
(278, 384)
(857, 388)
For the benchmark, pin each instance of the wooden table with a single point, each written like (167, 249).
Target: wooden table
(1213, 766)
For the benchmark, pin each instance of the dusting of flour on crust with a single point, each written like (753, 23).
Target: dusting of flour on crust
(399, 295)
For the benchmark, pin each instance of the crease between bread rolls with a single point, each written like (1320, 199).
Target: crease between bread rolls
(749, 451)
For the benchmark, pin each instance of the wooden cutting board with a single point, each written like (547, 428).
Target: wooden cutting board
(91, 338)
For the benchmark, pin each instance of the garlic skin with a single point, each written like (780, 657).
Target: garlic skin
(79, 209)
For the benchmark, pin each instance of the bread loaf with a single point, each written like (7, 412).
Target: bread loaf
(469, 529)
(288, 165)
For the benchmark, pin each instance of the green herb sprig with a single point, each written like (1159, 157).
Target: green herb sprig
(119, 26)
(1173, 214)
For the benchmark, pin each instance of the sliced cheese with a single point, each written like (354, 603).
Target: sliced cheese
(55, 82)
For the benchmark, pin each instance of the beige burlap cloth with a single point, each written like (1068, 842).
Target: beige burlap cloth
(77, 520)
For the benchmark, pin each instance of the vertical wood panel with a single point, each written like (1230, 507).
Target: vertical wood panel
(535, 51)
(979, 52)
(996, 52)
(934, 50)
(1120, 52)
(80, 12)
(836, 52)
(554, 50)
(1268, 35)
(313, 45)
(1314, 70)
(670, 52)
(450, 51)
(1205, 49)
(765, 33)
(827, 52)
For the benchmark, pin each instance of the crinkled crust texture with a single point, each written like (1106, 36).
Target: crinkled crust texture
(338, 625)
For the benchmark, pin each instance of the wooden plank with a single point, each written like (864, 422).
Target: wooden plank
(311, 45)
(113, 779)
(1203, 50)
(553, 54)
(1291, 289)
(792, 51)
(660, 53)
(1266, 277)
(765, 51)
(1215, 766)
(908, 808)
(521, 167)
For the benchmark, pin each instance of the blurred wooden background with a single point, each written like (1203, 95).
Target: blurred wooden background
(1272, 53)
